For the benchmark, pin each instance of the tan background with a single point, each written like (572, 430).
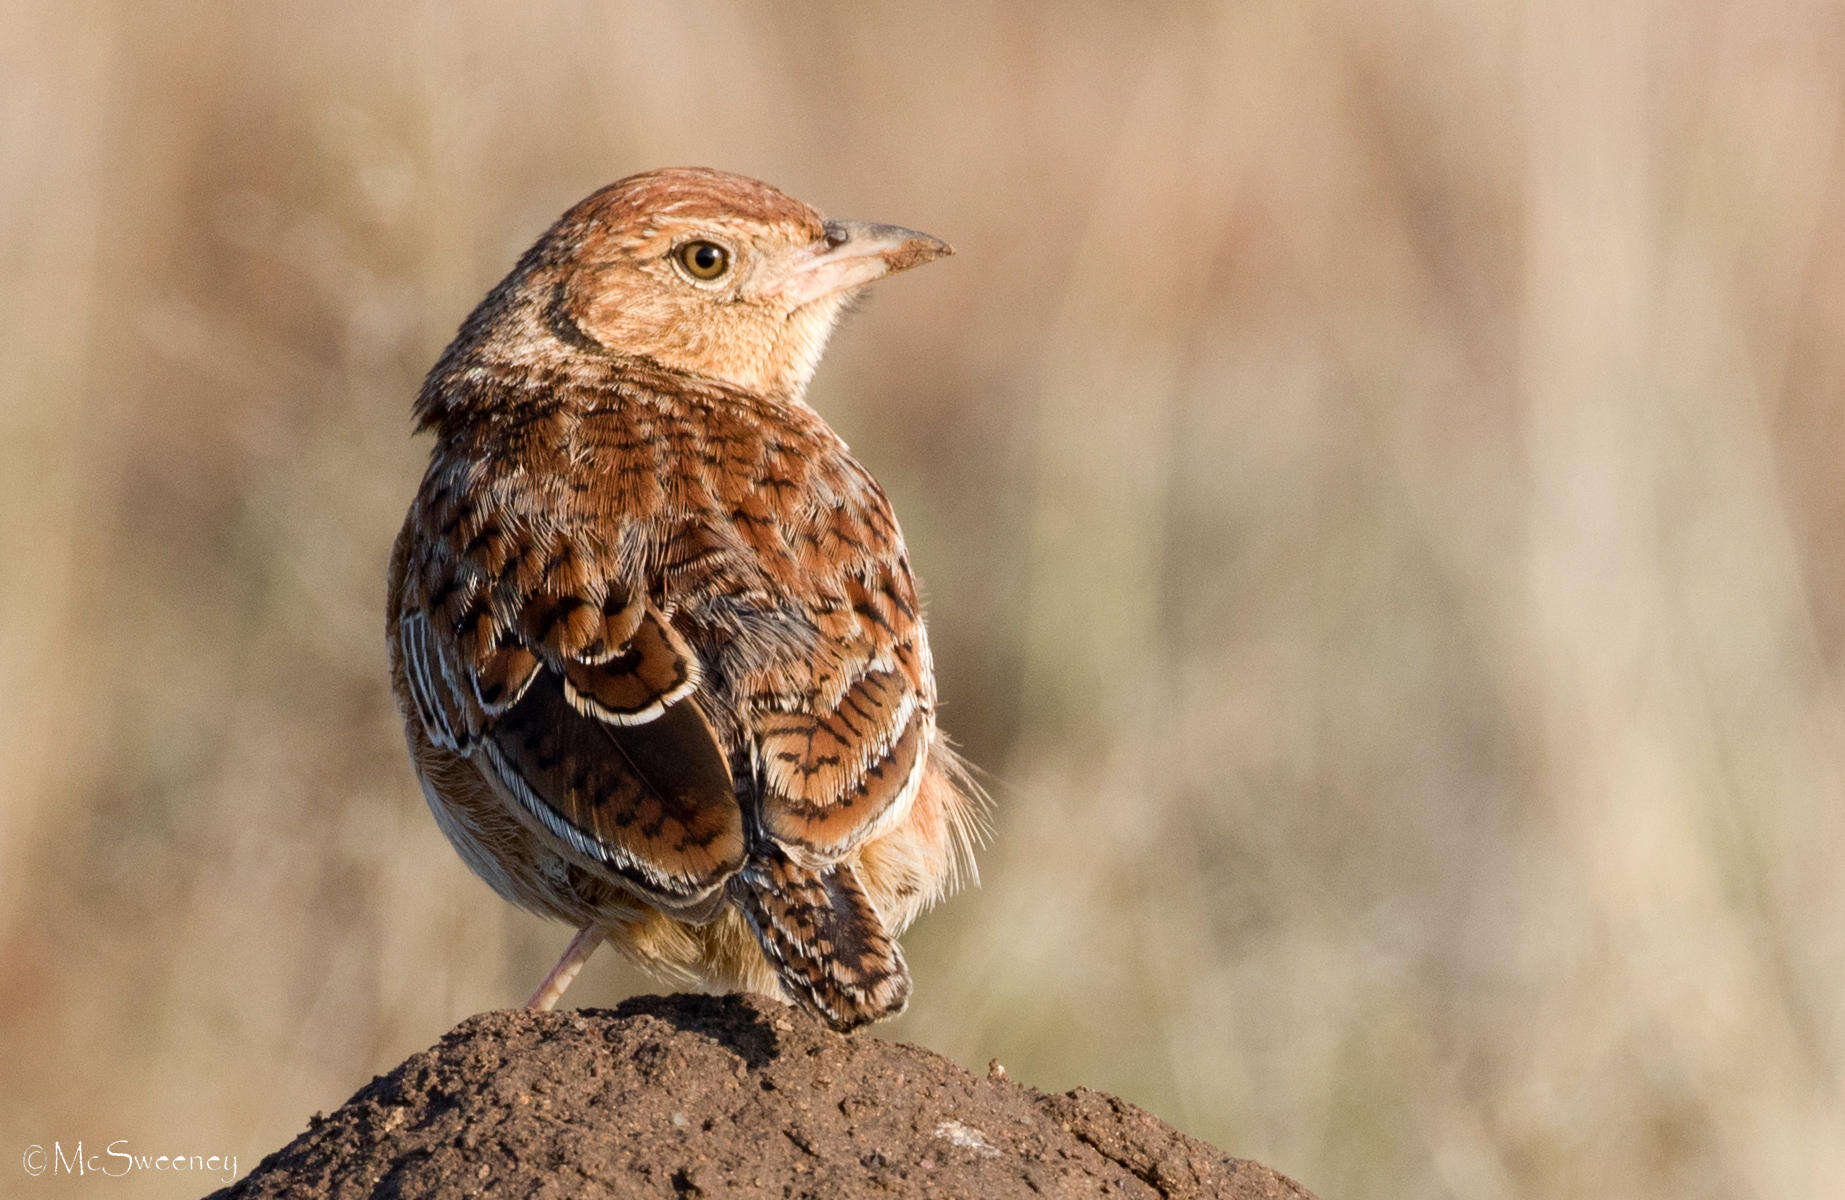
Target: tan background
(1375, 468)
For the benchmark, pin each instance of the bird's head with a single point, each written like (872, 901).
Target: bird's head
(714, 274)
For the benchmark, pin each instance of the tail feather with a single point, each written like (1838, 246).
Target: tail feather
(824, 939)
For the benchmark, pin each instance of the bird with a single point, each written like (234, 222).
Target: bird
(653, 628)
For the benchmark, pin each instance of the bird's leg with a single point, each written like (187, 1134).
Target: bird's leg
(575, 955)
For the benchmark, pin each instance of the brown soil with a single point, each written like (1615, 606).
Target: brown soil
(727, 1096)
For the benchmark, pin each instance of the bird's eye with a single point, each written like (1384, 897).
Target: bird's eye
(704, 260)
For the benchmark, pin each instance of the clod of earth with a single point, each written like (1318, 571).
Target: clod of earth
(727, 1096)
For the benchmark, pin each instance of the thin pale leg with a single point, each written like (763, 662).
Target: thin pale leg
(575, 955)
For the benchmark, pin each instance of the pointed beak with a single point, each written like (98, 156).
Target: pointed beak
(851, 255)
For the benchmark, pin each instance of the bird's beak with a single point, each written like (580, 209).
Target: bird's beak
(852, 254)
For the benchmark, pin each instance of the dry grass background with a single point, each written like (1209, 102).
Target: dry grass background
(1375, 468)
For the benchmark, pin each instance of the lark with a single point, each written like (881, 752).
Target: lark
(654, 629)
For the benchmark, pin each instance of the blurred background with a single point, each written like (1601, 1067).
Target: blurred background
(1375, 470)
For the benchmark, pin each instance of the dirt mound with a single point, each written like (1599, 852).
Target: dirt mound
(726, 1096)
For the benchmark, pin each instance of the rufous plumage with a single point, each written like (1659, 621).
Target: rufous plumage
(654, 630)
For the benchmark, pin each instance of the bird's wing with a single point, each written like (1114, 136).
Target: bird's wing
(842, 753)
(841, 730)
(568, 689)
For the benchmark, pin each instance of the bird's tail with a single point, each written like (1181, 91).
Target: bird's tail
(824, 939)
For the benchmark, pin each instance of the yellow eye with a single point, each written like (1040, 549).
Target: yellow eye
(704, 260)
